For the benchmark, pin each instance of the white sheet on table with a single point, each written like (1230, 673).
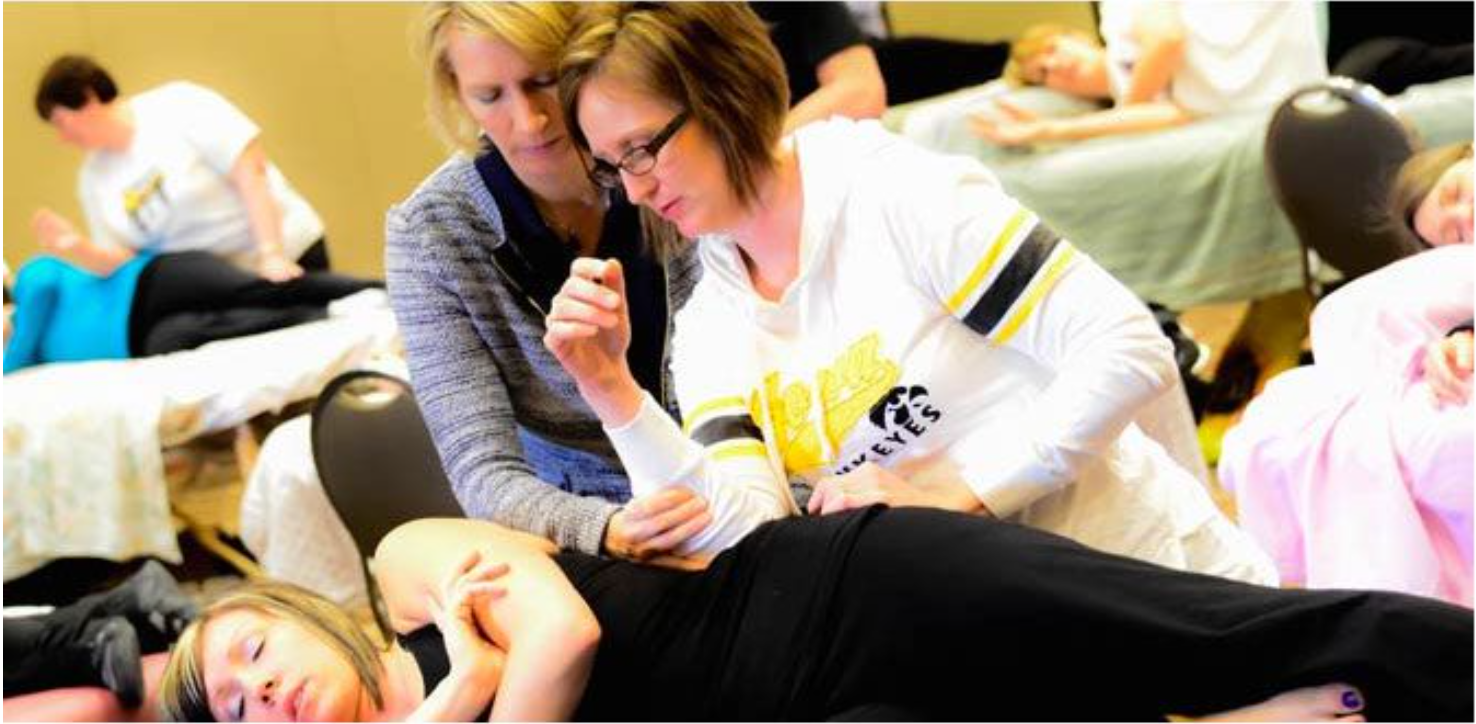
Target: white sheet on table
(83, 469)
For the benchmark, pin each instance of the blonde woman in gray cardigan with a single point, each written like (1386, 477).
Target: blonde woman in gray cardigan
(474, 257)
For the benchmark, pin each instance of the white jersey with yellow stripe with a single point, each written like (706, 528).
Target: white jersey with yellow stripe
(936, 328)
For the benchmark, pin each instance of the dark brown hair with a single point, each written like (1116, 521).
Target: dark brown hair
(69, 81)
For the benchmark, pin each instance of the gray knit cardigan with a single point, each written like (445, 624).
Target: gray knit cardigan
(499, 406)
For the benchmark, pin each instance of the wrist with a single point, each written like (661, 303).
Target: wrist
(615, 397)
(481, 677)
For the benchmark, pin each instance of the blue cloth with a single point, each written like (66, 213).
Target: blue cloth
(66, 314)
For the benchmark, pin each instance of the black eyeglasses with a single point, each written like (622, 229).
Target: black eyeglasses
(637, 161)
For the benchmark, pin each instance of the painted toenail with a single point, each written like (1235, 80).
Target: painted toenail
(1351, 700)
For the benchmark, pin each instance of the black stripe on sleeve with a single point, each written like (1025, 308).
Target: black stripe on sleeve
(726, 427)
(1013, 280)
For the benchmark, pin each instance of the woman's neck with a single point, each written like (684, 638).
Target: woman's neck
(576, 221)
(769, 236)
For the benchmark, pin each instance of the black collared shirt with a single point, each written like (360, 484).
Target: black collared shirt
(540, 260)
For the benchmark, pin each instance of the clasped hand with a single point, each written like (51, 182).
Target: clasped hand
(589, 324)
(474, 657)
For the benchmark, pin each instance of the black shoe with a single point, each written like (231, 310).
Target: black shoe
(114, 655)
(151, 600)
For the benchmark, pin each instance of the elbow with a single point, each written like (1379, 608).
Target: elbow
(867, 98)
(1161, 367)
(871, 101)
(578, 635)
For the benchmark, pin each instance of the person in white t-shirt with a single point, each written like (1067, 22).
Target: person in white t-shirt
(174, 168)
(876, 323)
(1163, 64)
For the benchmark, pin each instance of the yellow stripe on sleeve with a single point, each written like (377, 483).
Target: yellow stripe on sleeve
(739, 448)
(1064, 254)
(981, 270)
(707, 408)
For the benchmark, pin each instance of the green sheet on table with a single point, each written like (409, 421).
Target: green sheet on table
(1183, 216)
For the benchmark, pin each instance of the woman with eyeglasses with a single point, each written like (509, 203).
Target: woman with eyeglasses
(473, 259)
(875, 324)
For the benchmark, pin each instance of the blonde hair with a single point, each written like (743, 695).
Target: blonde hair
(182, 693)
(537, 31)
(1034, 42)
(711, 59)
(1417, 178)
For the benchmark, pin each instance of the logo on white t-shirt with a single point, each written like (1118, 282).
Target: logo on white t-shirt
(145, 202)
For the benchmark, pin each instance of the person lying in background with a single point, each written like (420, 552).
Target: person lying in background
(876, 323)
(473, 259)
(818, 619)
(153, 304)
(174, 168)
(1377, 434)
(1164, 64)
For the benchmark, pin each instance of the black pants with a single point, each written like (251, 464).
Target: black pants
(315, 257)
(1394, 64)
(915, 68)
(1015, 624)
(936, 616)
(187, 299)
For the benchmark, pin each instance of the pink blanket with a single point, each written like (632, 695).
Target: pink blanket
(1348, 472)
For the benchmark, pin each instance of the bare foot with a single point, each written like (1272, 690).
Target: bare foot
(1334, 702)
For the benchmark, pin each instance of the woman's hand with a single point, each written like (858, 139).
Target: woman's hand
(1015, 126)
(655, 524)
(474, 658)
(1448, 368)
(276, 267)
(871, 484)
(56, 235)
(589, 332)
(59, 238)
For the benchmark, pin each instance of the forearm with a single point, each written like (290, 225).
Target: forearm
(1106, 358)
(264, 216)
(843, 98)
(615, 398)
(548, 666)
(729, 469)
(1154, 71)
(469, 411)
(100, 259)
(461, 696)
(1115, 121)
(850, 85)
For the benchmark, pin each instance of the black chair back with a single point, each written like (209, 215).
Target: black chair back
(377, 463)
(1332, 150)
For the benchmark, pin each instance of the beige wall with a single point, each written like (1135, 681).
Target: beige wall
(984, 20)
(334, 87)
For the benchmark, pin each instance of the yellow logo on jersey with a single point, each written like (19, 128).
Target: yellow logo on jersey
(848, 389)
(135, 198)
